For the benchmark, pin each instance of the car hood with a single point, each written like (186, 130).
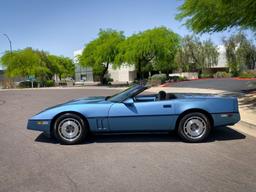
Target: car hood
(86, 100)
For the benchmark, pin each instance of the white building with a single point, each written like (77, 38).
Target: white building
(82, 73)
(222, 59)
(124, 74)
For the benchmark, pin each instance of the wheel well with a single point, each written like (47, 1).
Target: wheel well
(73, 112)
(208, 115)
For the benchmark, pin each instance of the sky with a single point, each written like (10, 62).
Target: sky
(63, 26)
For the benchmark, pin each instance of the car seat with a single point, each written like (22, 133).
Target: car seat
(161, 95)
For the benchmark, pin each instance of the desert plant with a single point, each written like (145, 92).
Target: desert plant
(158, 79)
(206, 75)
(248, 74)
(181, 78)
(221, 74)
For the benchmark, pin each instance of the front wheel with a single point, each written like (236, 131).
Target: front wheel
(70, 129)
(194, 127)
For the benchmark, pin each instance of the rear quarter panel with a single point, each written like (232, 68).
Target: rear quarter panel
(214, 106)
(211, 105)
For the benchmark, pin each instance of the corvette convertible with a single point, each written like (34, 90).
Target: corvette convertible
(191, 116)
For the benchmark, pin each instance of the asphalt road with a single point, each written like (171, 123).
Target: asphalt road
(146, 162)
(228, 84)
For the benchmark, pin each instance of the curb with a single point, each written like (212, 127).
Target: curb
(245, 127)
(244, 79)
(63, 88)
(198, 79)
(249, 125)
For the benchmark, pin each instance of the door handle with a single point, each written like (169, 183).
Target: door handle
(167, 106)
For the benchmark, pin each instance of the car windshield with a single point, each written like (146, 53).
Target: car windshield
(127, 93)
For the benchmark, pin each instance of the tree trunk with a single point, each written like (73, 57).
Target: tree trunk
(102, 75)
(139, 71)
(200, 71)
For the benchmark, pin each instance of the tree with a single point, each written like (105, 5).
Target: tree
(166, 44)
(148, 50)
(23, 63)
(240, 53)
(101, 52)
(195, 55)
(61, 66)
(218, 15)
(40, 64)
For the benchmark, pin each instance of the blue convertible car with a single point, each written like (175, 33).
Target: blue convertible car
(192, 116)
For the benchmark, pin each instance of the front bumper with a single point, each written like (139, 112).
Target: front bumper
(39, 125)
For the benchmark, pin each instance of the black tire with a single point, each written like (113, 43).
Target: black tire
(68, 125)
(194, 127)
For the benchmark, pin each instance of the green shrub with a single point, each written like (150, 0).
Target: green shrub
(48, 83)
(142, 81)
(182, 78)
(158, 79)
(248, 74)
(221, 74)
(206, 75)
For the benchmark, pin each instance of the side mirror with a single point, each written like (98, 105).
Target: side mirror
(129, 102)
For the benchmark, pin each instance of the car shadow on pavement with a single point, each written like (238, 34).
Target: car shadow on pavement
(135, 137)
(224, 134)
(217, 134)
(42, 138)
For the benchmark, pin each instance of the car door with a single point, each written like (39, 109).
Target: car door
(142, 116)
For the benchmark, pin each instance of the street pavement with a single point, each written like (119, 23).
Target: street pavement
(132, 162)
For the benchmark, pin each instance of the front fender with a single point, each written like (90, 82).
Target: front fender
(42, 121)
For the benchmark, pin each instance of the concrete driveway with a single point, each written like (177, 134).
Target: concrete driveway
(141, 162)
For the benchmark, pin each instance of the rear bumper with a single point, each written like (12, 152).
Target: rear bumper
(224, 119)
(39, 125)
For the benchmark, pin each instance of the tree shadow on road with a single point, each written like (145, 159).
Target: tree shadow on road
(218, 134)
(249, 101)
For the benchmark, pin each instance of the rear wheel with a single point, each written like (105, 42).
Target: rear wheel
(70, 129)
(194, 127)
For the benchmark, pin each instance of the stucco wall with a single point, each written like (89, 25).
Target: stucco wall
(123, 74)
